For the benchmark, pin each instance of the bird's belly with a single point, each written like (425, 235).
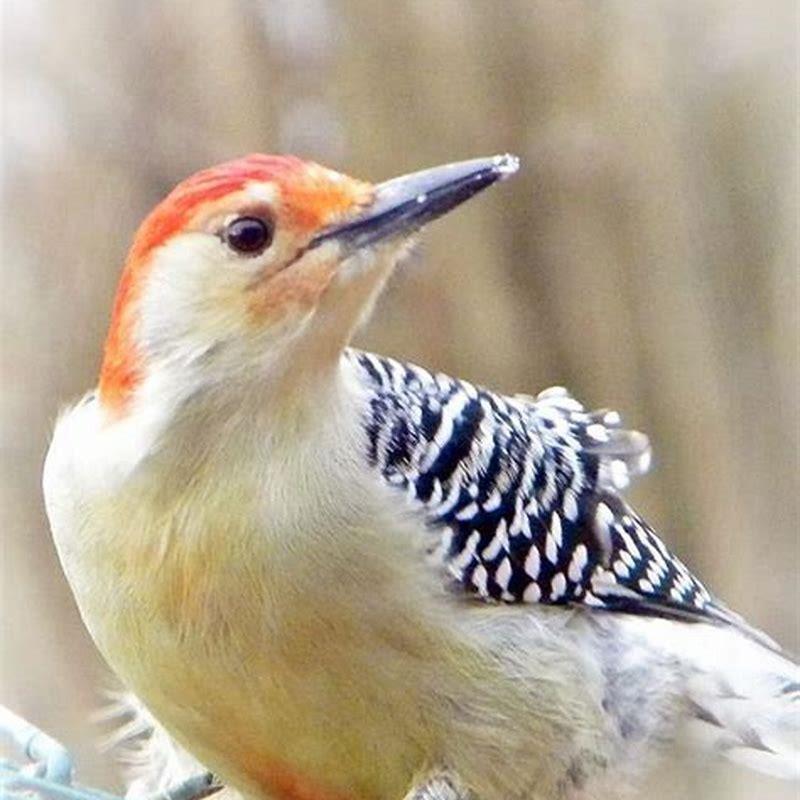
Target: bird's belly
(287, 685)
(289, 737)
(337, 677)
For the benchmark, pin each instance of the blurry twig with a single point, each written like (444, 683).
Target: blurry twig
(49, 768)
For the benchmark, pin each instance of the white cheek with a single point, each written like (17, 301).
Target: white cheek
(196, 301)
(190, 287)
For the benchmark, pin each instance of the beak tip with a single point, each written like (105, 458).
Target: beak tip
(505, 165)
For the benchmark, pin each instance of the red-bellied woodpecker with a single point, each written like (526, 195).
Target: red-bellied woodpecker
(333, 575)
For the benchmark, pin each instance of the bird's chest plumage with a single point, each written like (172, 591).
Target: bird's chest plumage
(274, 644)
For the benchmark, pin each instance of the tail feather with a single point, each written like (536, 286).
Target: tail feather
(754, 722)
(779, 764)
(743, 696)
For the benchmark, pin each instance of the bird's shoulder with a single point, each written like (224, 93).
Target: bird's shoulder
(523, 494)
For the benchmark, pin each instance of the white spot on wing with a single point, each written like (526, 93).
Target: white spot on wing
(447, 539)
(629, 543)
(493, 501)
(451, 411)
(570, 503)
(621, 569)
(552, 393)
(592, 600)
(479, 578)
(558, 586)
(555, 529)
(597, 432)
(451, 501)
(503, 575)
(619, 473)
(498, 543)
(521, 524)
(532, 593)
(578, 562)
(468, 512)
(533, 562)
(603, 519)
(550, 548)
(465, 557)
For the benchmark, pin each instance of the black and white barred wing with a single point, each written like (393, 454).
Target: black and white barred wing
(525, 493)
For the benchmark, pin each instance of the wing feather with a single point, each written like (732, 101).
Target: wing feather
(524, 494)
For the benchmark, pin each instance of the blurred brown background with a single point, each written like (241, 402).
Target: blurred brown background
(646, 256)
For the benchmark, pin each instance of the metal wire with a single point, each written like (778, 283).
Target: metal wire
(49, 767)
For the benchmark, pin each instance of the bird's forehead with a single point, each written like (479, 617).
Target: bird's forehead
(316, 196)
(303, 194)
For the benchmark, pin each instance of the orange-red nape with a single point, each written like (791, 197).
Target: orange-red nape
(310, 196)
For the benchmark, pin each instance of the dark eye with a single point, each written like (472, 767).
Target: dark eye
(248, 235)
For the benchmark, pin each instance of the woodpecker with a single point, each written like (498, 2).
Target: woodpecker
(331, 575)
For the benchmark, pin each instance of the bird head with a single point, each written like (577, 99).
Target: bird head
(264, 266)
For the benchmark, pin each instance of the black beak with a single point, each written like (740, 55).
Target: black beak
(405, 204)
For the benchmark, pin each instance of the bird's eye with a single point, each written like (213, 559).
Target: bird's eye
(248, 235)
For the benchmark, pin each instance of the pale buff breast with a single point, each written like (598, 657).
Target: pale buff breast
(296, 659)
(268, 657)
